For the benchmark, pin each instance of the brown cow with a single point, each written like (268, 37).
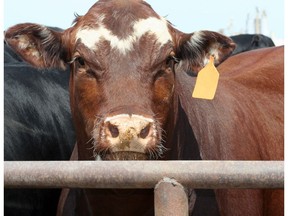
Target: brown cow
(243, 122)
(122, 56)
(124, 91)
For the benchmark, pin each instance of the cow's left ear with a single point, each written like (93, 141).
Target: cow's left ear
(194, 50)
(38, 45)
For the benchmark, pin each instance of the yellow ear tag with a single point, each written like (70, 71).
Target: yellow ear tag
(206, 82)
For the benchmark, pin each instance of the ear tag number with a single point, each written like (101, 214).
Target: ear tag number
(206, 82)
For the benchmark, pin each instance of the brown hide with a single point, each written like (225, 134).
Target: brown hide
(245, 121)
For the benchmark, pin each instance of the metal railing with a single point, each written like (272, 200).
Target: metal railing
(143, 174)
(168, 178)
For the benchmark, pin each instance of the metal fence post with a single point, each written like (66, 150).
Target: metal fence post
(170, 198)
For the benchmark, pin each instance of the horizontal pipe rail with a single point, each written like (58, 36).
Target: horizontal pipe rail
(143, 174)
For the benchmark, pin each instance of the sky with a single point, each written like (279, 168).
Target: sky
(230, 17)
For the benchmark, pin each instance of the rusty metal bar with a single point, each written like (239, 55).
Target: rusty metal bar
(170, 198)
(143, 174)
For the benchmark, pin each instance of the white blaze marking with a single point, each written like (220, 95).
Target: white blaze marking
(158, 27)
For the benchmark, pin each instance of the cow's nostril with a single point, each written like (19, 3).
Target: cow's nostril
(145, 131)
(113, 130)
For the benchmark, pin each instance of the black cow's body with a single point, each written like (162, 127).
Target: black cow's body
(37, 126)
(246, 42)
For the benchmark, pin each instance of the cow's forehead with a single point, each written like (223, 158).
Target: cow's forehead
(152, 26)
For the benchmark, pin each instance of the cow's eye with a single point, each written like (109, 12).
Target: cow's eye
(171, 60)
(160, 73)
(80, 61)
(163, 73)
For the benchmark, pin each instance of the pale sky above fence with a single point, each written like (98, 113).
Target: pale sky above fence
(230, 17)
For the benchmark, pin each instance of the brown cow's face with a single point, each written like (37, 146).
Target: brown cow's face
(123, 82)
(122, 73)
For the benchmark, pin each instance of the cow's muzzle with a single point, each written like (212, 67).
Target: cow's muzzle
(128, 137)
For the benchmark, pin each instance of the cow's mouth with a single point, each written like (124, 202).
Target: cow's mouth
(125, 155)
(148, 154)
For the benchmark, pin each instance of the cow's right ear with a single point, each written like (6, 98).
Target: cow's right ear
(38, 45)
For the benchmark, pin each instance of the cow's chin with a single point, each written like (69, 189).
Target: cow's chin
(129, 154)
(125, 155)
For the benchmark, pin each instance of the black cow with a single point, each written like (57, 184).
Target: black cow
(246, 42)
(37, 126)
